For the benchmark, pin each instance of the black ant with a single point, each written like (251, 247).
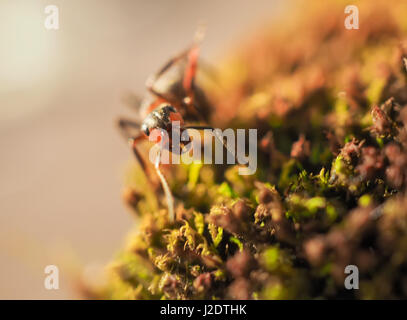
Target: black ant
(174, 96)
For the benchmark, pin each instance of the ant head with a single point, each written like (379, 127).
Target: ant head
(161, 118)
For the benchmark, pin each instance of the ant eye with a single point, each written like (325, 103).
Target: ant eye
(172, 109)
(145, 130)
(166, 108)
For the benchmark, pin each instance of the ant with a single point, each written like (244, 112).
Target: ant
(173, 96)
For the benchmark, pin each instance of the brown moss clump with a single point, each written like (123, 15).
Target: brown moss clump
(330, 108)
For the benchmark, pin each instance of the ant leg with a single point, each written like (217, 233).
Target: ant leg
(191, 68)
(160, 95)
(133, 140)
(153, 78)
(217, 136)
(168, 65)
(189, 80)
(143, 164)
(125, 125)
(191, 101)
(133, 144)
(167, 191)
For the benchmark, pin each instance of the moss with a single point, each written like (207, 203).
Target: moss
(329, 105)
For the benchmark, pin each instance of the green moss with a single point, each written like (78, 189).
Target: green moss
(288, 231)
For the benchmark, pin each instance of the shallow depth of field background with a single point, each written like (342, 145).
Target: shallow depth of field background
(62, 160)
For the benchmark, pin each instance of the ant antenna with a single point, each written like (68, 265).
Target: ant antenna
(167, 191)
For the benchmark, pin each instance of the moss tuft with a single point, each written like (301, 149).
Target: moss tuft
(329, 106)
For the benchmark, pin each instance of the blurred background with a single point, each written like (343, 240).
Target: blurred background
(62, 159)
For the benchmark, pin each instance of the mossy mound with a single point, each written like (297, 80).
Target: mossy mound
(329, 106)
